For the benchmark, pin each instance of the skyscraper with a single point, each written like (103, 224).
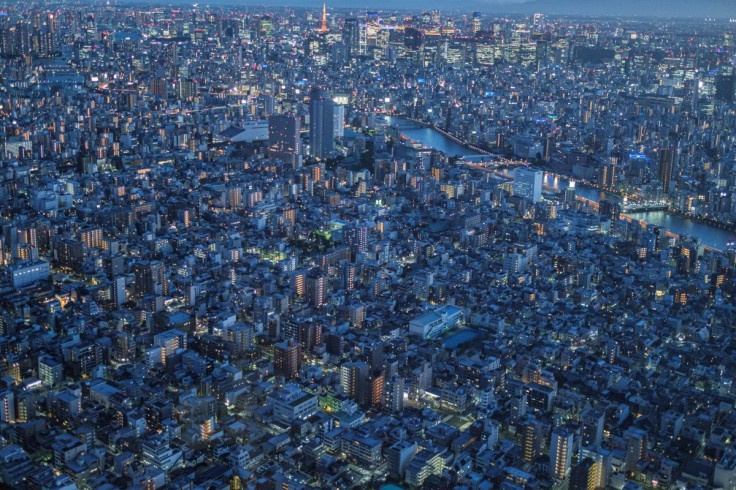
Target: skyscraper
(283, 138)
(725, 85)
(321, 124)
(666, 168)
(351, 35)
(560, 453)
(476, 22)
(338, 120)
(528, 184)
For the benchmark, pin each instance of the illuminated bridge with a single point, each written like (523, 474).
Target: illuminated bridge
(638, 207)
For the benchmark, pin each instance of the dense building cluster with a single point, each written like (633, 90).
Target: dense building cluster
(224, 264)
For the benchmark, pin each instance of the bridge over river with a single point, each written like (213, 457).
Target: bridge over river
(716, 236)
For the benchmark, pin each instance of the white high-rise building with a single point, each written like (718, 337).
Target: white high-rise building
(338, 120)
(560, 453)
(528, 184)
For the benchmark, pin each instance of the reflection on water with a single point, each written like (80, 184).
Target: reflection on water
(428, 137)
(711, 236)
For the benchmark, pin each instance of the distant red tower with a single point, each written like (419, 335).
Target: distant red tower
(323, 28)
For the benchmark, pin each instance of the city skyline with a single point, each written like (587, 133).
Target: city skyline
(718, 9)
(306, 248)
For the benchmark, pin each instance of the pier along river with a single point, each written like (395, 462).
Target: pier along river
(710, 235)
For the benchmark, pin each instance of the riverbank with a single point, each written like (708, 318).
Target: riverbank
(633, 197)
(713, 233)
(450, 136)
(715, 237)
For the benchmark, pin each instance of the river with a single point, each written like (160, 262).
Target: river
(710, 235)
(428, 137)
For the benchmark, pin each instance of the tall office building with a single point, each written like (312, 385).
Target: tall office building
(298, 279)
(241, 335)
(91, 237)
(724, 475)
(347, 275)
(287, 359)
(338, 120)
(351, 35)
(335, 345)
(156, 412)
(725, 85)
(666, 168)
(26, 406)
(476, 22)
(283, 138)
(171, 59)
(560, 453)
(528, 184)
(602, 458)
(321, 124)
(609, 209)
(592, 430)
